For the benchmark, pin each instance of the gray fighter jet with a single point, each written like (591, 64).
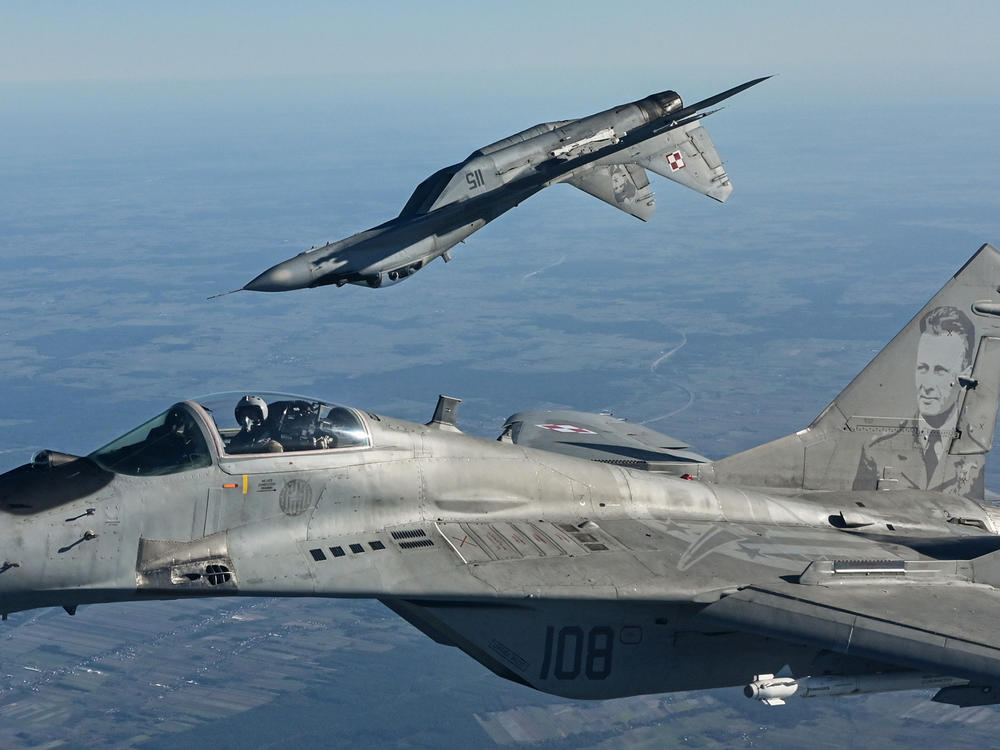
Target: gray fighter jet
(605, 154)
(578, 554)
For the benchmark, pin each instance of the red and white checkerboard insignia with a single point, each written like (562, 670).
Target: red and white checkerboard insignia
(567, 428)
(675, 160)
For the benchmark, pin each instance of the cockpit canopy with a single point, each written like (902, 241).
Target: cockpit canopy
(287, 423)
(171, 442)
(178, 439)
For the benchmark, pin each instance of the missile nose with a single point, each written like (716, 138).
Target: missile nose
(290, 274)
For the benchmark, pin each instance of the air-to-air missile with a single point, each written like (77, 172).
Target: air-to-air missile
(606, 155)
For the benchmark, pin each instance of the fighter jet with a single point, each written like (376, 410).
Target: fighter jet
(578, 554)
(606, 154)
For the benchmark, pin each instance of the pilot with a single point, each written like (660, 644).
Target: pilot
(173, 428)
(170, 444)
(254, 435)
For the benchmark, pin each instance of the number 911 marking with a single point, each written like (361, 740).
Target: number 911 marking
(475, 179)
(568, 652)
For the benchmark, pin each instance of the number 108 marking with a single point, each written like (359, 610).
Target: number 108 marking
(567, 652)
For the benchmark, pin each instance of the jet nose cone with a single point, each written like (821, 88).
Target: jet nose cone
(287, 275)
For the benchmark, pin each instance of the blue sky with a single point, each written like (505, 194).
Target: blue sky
(836, 47)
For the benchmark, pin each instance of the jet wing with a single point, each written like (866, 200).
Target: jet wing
(938, 617)
(599, 437)
(918, 615)
(624, 186)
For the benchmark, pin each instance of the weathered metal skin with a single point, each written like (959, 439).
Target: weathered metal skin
(189, 535)
(859, 547)
(604, 154)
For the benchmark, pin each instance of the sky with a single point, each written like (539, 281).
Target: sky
(156, 154)
(870, 47)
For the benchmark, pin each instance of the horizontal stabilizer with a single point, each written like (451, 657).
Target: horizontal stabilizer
(624, 186)
(688, 156)
(598, 437)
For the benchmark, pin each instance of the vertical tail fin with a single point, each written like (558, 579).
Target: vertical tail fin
(687, 155)
(624, 186)
(921, 415)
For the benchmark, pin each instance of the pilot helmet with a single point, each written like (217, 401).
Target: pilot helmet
(251, 410)
(175, 421)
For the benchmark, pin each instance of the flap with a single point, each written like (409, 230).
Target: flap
(947, 629)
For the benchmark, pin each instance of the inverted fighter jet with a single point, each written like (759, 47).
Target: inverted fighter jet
(606, 155)
(577, 553)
